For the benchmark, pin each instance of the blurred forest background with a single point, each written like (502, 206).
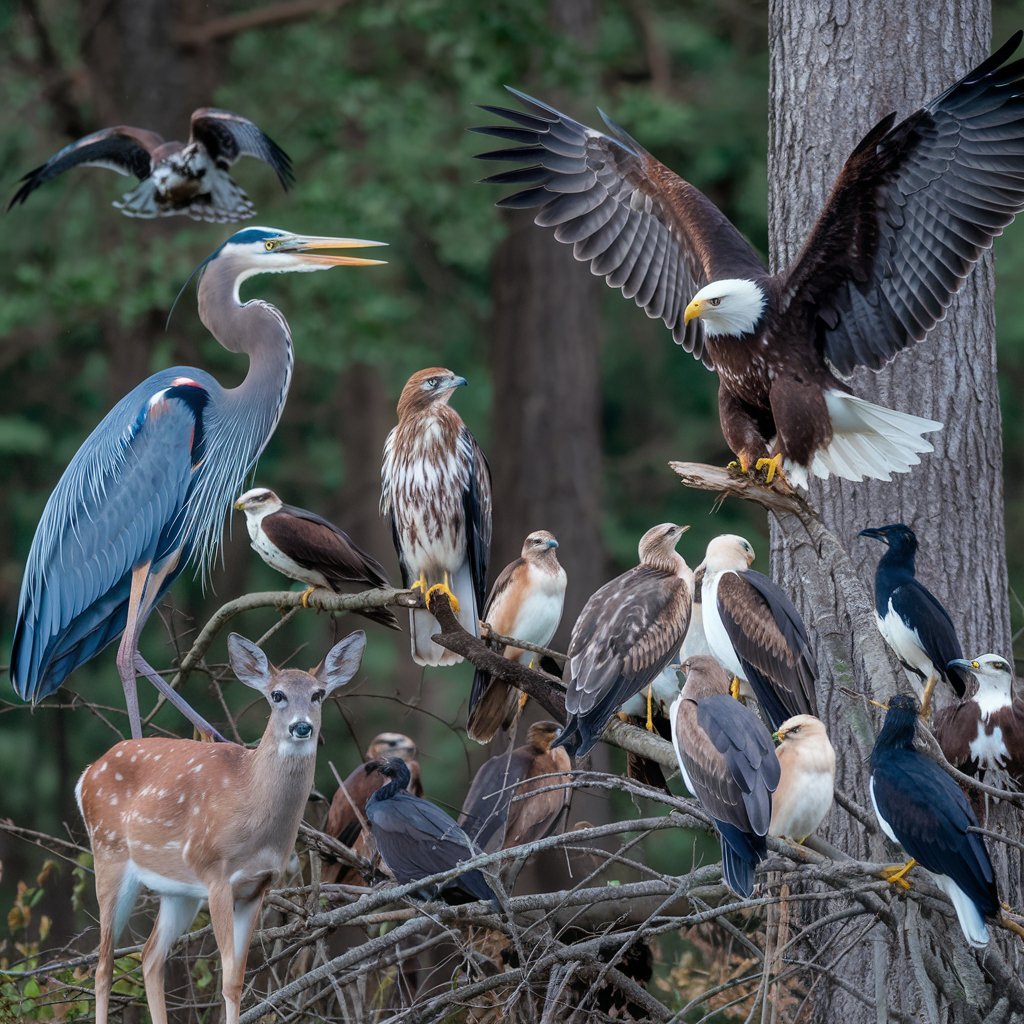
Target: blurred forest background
(578, 400)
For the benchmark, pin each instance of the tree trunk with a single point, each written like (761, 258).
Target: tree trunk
(545, 355)
(834, 73)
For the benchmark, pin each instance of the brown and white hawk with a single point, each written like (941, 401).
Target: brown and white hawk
(436, 492)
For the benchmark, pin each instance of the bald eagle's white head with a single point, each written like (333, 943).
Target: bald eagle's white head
(731, 307)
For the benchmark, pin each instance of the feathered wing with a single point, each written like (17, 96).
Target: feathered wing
(913, 602)
(770, 639)
(641, 227)
(228, 136)
(913, 209)
(121, 503)
(728, 761)
(626, 634)
(930, 817)
(122, 149)
(486, 808)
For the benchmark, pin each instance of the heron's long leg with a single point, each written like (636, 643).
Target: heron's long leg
(144, 668)
(129, 646)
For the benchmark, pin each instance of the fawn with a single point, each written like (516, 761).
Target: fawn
(193, 821)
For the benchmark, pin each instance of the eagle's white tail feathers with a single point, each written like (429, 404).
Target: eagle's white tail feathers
(869, 442)
(972, 924)
(423, 625)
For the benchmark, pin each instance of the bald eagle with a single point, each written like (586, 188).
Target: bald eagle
(915, 206)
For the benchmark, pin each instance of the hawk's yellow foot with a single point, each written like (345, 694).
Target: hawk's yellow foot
(650, 708)
(772, 467)
(420, 584)
(896, 874)
(926, 697)
(523, 698)
(740, 464)
(442, 588)
(734, 688)
(305, 596)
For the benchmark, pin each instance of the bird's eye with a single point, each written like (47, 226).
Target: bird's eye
(277, 696)
(316, 696)
(269, 245)
(433, 382)
(715, 302)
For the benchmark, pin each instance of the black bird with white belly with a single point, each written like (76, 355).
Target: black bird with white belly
(920, 807)
(911, 619)
(306, 547)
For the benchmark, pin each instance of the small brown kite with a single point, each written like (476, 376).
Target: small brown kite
(526, 603)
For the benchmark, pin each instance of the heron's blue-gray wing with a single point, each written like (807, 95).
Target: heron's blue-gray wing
(119, 505)
(121, 149)
(641, 227)
(228, 136)
(476, 501)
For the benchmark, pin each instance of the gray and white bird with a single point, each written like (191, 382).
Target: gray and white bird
(189, 178)
(727, 760)
(808, 763)
(626, 634)
(526, 603)
(754, 630)
(984, 731)
(306, 547)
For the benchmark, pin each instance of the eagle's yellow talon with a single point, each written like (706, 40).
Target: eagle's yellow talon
(305, 596)
(650, 708)
(442, 588)
(740, 465)
(896, 874)
(771, 467)
(734, 688)
(420, 584)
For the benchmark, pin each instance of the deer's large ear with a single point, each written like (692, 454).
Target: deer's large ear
(342, 661)
(248, 662)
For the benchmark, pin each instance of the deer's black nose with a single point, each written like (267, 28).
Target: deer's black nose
(301, 730)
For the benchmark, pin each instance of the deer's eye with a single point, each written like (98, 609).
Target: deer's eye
(277, 696)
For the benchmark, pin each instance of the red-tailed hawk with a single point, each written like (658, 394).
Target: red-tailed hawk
(626, 634)
(525, 603)
(436, 492)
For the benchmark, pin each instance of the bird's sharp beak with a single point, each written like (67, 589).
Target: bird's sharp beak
(239, 506)
(872, 532)
(693, 310)
(777, 738)
(552, 543)
(683, 527)
(878, 704)
(964, 664)
(459, 382)
(304, 246)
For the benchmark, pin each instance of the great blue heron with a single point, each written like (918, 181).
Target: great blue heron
(149, 489)
(174, 177)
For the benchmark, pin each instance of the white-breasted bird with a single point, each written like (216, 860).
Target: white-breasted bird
(808, 762)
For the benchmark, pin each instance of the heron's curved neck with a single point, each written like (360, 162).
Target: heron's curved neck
(255, 328)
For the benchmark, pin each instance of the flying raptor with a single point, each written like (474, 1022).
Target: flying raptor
(913, 209)
(189, 178)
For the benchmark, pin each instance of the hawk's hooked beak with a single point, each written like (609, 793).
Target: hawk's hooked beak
(693, 310)
(458, 382)
(239, 506)
(303, 245)
(552, 543)
(964, 664)
(875, 533)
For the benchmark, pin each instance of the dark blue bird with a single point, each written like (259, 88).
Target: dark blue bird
(910, 617)
(920, 807)
(415, 838)
(148, 491)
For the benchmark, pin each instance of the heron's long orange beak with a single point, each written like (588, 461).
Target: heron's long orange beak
(301, 246)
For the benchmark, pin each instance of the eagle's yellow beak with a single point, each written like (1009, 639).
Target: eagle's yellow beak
(693, 310)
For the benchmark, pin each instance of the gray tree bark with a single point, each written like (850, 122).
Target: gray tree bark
(836, 69)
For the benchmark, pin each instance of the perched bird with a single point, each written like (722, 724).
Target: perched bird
(526, 603)
(808, 763)
(626, 634)
(306, 547)
(754, 630)
(436, 492)
(348, 808)
(910, 618)
(984, 731)
(149, 489)
(415, 838)
(727, 760)
(915, 206)
(923, 810)
(511, 802)
(174, 177)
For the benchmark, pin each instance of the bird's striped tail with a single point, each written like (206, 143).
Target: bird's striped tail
(868, 442)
